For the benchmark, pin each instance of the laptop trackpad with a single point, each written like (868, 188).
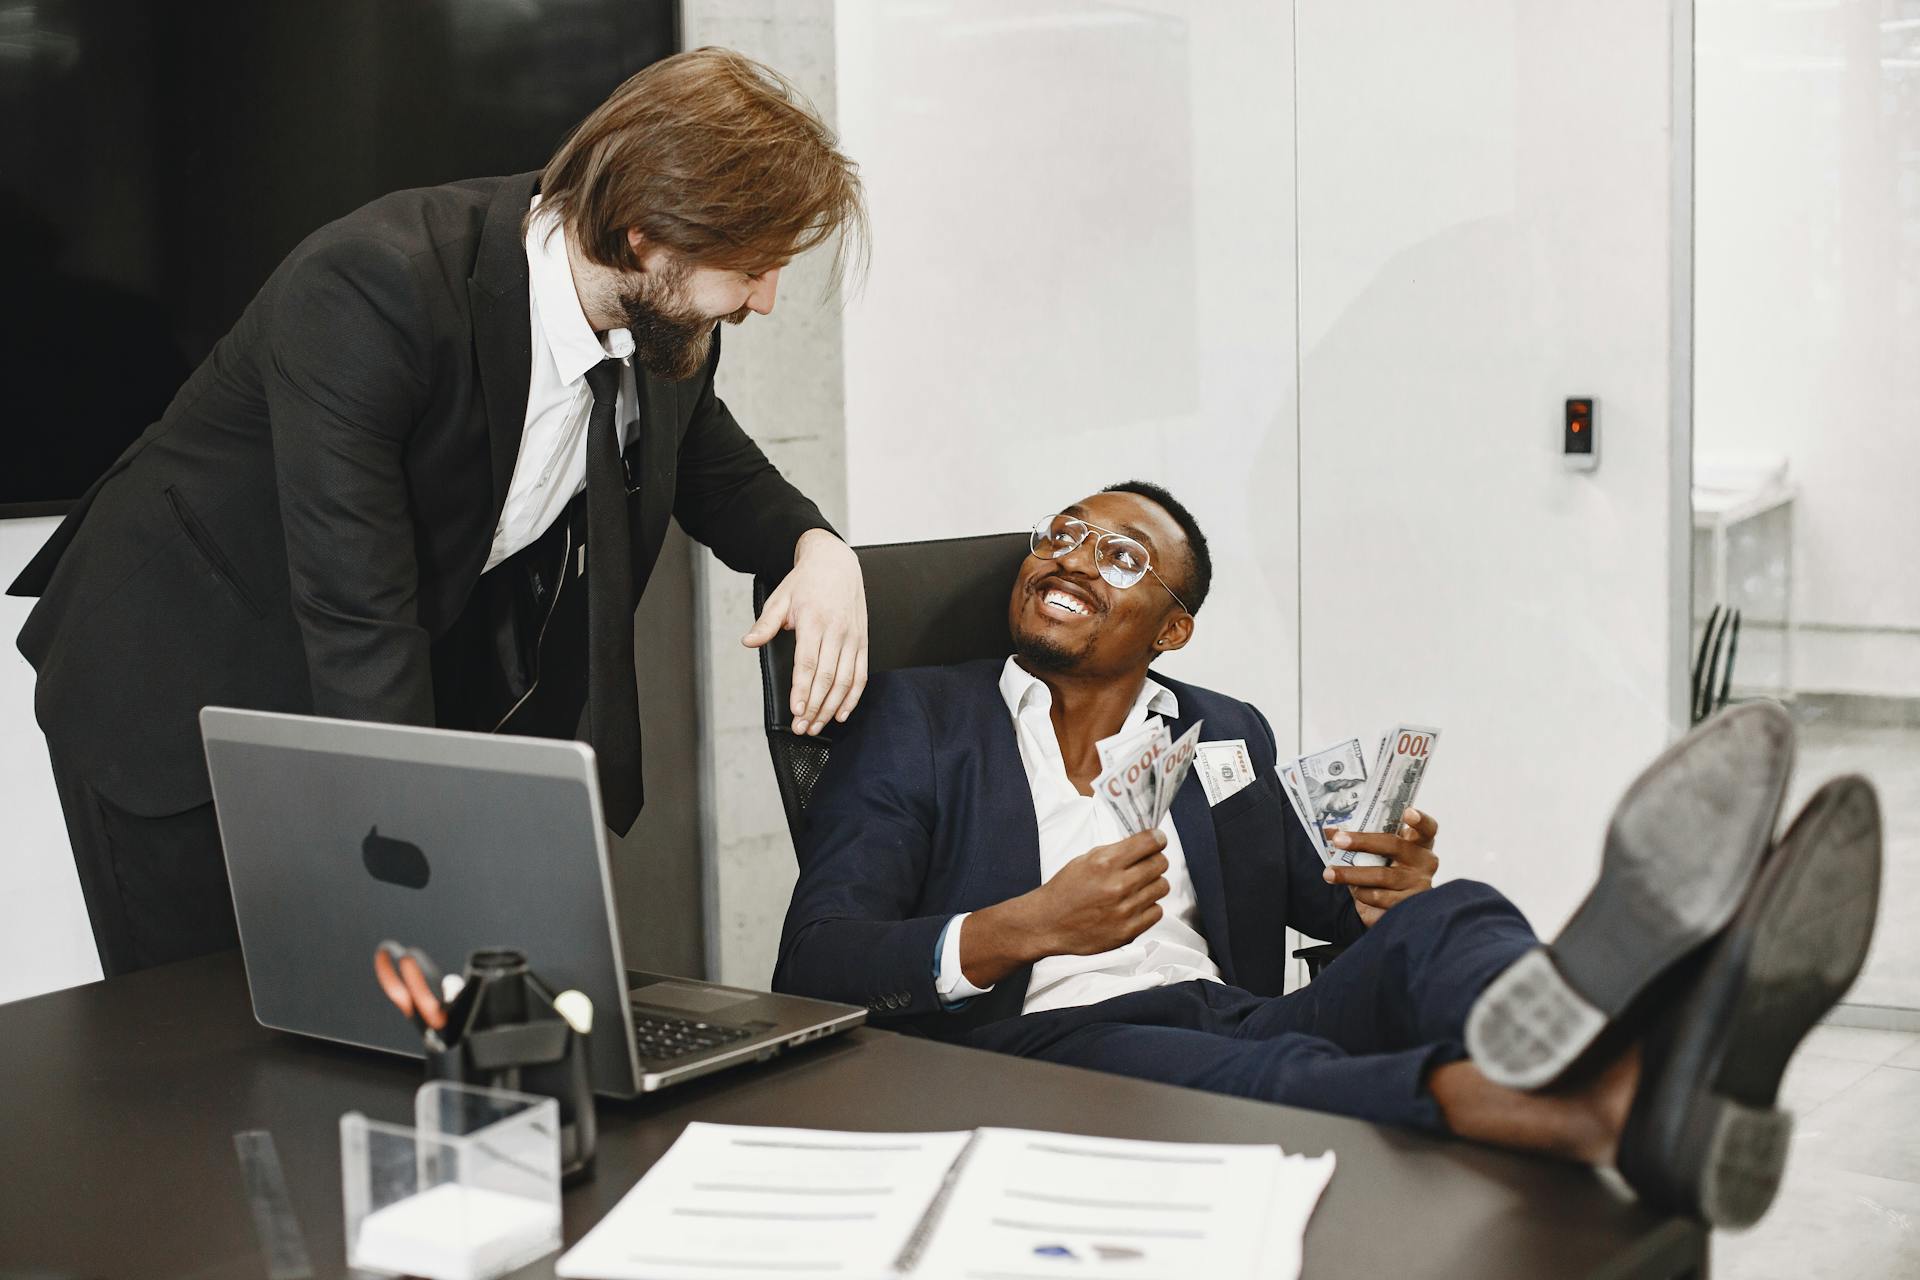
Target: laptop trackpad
(688, 997)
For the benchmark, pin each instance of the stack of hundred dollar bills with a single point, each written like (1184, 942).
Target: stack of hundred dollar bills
(1332, 788)
(1141, 772)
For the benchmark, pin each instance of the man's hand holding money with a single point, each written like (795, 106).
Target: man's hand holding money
(1103, 899)
(1410, 871)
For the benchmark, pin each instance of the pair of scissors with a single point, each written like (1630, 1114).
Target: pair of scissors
(412, 982)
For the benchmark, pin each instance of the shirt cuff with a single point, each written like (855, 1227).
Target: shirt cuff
(949, 980)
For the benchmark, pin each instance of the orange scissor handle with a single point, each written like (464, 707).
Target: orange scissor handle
(386, 971)
(402, 976)
(426, 1001)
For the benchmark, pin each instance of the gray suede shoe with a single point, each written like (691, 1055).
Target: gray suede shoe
(1705, 1137)
(1681, 850)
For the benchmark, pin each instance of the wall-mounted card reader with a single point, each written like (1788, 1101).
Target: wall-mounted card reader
(1579, 443)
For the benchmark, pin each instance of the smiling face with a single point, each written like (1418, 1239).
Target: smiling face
(1066, 618)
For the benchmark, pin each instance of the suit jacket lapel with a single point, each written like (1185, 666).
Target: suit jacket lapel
(1193, 819)
(1009, 805)
(1003, 805)
(656, 445)
(1005, 797)
(659, 440)
(502, 331)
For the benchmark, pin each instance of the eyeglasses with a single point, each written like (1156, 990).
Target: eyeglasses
(1121, 560)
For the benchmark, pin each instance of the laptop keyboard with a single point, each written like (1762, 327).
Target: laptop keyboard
(662, 1037)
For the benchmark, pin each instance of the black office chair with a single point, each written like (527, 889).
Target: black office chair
(928, 604)
(1713, 664)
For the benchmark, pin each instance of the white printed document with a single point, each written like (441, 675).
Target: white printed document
(1040, 1204)
(740, 1202)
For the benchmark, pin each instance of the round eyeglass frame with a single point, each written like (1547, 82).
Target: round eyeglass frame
(1109, 571)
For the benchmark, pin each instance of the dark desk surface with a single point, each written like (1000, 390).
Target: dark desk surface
(119, 1102)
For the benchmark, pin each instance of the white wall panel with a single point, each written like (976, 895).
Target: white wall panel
(45, 941)
(1082, 273)
(1485, 216)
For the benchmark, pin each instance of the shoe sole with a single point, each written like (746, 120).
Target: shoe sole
(1815, 924)
(1650, 908)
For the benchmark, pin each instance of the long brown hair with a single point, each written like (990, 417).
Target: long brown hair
(714, 155)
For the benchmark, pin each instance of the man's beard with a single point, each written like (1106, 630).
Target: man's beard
(1044, 653)
(671, 340)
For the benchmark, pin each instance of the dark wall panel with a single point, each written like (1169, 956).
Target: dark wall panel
(158, 159)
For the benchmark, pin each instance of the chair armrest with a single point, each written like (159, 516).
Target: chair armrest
(1319, 956)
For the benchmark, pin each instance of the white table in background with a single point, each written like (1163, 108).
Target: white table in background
(1717, 512)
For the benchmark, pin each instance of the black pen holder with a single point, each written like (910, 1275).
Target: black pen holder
(503, 1032)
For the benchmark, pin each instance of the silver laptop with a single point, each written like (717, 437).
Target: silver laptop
(340, 834)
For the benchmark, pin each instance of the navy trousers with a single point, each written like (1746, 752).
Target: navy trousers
(1359, 1040)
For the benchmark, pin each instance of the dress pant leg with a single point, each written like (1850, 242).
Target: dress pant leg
(1412, 978)
(156, 888)
(93, 861)
(1194, 1034)
(1359, 1040)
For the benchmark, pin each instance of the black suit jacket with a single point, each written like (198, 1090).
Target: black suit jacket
(315, 507)
(924, 811)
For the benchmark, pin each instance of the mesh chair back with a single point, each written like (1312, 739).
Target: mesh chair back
(928, 604)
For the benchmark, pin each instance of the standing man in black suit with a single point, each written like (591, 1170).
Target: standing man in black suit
(426, 476)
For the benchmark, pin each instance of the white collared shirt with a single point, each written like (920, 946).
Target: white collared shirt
(1171, 951)
(552, 465)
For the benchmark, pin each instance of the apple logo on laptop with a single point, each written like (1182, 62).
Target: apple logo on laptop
(394, 861)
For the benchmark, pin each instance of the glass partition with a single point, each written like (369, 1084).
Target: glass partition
(1807, 400)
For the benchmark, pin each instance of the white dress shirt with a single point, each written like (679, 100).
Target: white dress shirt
(1171, 951)
(552, 465)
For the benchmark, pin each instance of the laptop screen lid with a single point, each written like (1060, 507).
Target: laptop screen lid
(341, 833)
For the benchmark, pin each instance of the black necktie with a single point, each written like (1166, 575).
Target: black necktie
(613, 695)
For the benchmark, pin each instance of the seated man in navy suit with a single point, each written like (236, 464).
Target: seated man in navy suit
(959, 879)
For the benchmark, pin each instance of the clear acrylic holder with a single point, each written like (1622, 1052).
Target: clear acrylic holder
(471, 1192)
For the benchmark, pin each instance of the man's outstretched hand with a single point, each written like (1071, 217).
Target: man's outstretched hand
(823, 601)
(1375, 889)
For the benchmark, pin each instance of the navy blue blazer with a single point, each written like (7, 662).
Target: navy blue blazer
(924, 811)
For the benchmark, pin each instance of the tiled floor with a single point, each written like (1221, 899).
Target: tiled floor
(1850, 1205)
(1889, 757)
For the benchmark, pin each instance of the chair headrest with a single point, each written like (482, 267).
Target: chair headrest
(928, 604)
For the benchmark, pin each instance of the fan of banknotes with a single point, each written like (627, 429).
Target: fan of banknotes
(1332, 788)
(1141, 772)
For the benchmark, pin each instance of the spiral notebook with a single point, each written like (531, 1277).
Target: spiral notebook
(749, 1202)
